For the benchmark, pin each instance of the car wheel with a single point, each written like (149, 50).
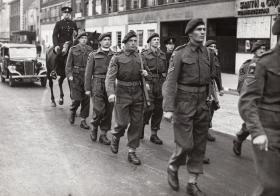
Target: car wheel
(11, 81)
(43, 82)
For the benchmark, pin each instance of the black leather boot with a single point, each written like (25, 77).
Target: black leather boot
(93, 134)
(237, 147)
(115, 144)
(194, 190)
(172, 177)
(132, 158)
(155, 139)
(84, 125)
(104, 140)
(72, 118)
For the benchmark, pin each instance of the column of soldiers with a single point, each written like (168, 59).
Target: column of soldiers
(178, 91)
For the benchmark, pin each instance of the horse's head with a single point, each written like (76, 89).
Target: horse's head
(65, 48)
(93, 39)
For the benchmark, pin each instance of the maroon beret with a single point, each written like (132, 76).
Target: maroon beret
(152, 36)
(210, 42)
(257, 45)
(103, 35)
(192, 24)
(129, 35)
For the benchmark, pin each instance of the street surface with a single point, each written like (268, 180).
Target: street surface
(41, 154)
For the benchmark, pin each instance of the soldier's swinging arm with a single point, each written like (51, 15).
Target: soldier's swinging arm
(146, 94)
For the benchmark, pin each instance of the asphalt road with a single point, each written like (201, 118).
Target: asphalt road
(41, 154)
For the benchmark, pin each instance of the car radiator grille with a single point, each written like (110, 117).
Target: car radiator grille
(29, 68)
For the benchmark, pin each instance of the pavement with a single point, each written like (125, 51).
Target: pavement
(41, 154)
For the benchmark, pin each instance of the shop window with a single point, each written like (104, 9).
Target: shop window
(245, 45)
(140, 37)
(150, 32)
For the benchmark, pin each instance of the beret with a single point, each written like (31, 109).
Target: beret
(257, 45)
(210, 42)
(192, 24)
(81, 34)
(103, 35)
(276, 27)
(170, 40)
(129, 35)
(152, 36)
(66, 9)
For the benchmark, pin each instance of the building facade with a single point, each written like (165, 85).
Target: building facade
(4, 21)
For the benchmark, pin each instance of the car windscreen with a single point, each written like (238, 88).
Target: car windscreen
(23, 52)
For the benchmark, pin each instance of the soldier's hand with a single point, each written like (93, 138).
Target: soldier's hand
(168, 116)
(261, 141)
(144, 73)
(88, 93)
(112, 98)
(56, 49)
(221, 93)
(70, 78)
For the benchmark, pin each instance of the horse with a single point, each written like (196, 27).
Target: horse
(55, 64)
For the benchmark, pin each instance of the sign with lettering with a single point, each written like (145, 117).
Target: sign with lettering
(257, 7)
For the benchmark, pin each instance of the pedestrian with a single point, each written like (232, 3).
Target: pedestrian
(258, 49)
(259, 107)
(127, 93)
(75, 72)
(96, 70)
(156, 62)
(185, 95)
(216, 81)
(170, 46)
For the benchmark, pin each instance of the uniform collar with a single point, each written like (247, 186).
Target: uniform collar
(99, 50)
(194, 46)
(129, 52)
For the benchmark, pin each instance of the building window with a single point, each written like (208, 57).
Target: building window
(140, 38)
(135, 4)
(119, 39)
(121, 5)
(98, 8)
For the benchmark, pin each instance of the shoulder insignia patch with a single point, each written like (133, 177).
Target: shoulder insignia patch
(252, 69)
(171, 65)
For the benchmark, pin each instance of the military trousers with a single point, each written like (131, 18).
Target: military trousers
(267, 163)
(191, 124)
(154, 112)
(102, 109)
(129, 108)
(85, 105)
(243, 133)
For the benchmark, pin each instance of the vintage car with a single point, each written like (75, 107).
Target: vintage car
(18, 63)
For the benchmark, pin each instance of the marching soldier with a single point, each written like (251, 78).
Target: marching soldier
(95, 75)
(156, 62)
(258, 49)
(185, 95)
(75, 72)
(127, 94)
(170, 45)
(259, 107)
(64, 29)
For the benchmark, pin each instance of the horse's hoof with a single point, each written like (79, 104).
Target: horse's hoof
(60, 102)
(53, 104)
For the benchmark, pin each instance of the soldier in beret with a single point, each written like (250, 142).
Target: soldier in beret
(75, 72)
(64, 29)
(258, 49)
(259, 107)
(184, 101)
(170, 46)
(157, 65)
(97, 66)
(123, 86)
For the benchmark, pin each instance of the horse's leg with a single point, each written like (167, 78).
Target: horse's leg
(53, 104)
(60, 82)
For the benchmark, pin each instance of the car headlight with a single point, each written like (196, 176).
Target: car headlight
(12, 67)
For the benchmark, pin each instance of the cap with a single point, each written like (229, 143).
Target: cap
(152, 36)
(192, 24)
(257, 45)
(81, 34)
(66, 9)
(129, 35)
(103, 35)
(170, 40)
(210, 42)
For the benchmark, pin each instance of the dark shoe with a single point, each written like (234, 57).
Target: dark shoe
(206, 160)
(237, 147)
(84, 125)
(104, 140)
(72, 118)
(211, 138)
(132, 158)
(93, 134)
(115, 144)
(194, 190)
(172, 177)
(155, 139)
